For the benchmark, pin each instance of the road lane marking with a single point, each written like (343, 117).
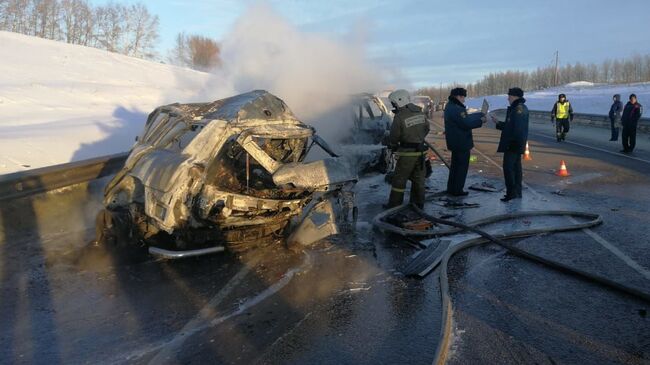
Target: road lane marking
(594, 148)
(205, 318)
(595, 236)
(204, 315)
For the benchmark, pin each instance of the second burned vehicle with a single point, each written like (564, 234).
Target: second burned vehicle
(230, 172)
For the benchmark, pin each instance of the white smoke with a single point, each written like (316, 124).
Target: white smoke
(311, 72)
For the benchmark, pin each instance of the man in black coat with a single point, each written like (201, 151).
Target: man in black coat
(458, 134)
(631, 115)
(615, 116)
(514, 134)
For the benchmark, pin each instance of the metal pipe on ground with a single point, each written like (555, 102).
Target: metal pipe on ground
(170, 254)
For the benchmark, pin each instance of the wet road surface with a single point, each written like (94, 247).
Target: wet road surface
(65, 300)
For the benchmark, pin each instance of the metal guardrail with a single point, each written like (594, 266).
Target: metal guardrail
(597, 120)
(24, 183)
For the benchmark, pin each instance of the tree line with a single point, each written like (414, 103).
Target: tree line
(619, 71)
(127, 29)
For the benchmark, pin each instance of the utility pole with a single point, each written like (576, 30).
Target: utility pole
(557, 70)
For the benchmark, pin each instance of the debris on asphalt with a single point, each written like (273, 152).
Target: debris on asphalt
(483, 186)
(451, 204)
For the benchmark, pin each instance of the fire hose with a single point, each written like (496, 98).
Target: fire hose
(499, 239)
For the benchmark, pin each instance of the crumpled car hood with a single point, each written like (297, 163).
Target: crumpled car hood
(315, 175)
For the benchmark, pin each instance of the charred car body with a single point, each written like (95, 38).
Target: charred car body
(228, 172)
(372, 120)
(367, 139)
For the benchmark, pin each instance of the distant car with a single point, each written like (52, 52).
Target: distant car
(371, 120)
(229, 172)
(425, 103)
(367, 136)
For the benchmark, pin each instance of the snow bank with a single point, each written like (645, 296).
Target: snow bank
(585, 97)
(62, 102)
(580, 84)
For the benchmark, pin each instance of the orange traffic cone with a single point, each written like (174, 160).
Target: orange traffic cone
(562, 171)
(527, 156)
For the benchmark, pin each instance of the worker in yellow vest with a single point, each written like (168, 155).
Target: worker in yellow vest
(562, 114)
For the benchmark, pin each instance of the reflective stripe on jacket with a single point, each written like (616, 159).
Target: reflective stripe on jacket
(562, 110)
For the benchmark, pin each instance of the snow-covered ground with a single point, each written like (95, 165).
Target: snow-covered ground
(61, 102)
(585, 97)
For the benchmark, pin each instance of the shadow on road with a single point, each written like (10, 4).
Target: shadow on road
(28, 333)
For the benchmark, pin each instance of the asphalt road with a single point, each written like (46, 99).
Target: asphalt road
(64, 299)
(513, 311)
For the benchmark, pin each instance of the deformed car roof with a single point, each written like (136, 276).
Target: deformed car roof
(257, 104)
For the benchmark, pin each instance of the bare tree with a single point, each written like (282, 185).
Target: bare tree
(141, 31)
(15, 16)
(77, 20)
(195, 51)
(109, 27)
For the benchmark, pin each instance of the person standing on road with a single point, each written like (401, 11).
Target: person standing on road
(615, 116)
(406, 139)
(514, 134)
(562, 114)
(458, 135)
(631, 115)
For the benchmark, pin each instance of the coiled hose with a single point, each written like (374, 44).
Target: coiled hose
(499, 239)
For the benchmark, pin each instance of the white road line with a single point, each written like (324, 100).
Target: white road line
(603, 242)
(594, 148)
(204, 315)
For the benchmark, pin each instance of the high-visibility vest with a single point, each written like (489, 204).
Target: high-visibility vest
(562, 111)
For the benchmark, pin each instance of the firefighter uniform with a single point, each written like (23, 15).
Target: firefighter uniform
(562, 113)
(407, 134)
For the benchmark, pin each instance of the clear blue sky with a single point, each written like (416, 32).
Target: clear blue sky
(434, 42)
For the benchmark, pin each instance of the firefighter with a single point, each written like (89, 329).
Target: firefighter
(458, 135)
(562, 114)
(514, 134)
(406, 140)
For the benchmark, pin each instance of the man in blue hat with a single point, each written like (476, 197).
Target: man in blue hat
(458, 135)
(514, 134)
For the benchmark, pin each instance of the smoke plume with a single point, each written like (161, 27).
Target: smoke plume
(312, 73)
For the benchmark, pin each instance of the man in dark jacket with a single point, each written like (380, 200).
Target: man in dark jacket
(514, 134)
(458, 134)
(615, 116)
(562, 114)
(631, 115)
(406, 139)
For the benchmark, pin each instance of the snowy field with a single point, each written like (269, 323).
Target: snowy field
(585, 97)
(61, 102)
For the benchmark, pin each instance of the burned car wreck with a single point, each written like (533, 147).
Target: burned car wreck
(231, 172)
